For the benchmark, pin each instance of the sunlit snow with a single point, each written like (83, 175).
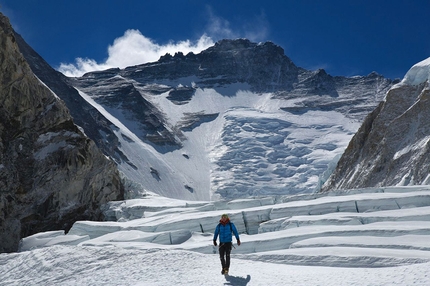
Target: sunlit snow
(252, 146)
(417, 74)
(373, 236)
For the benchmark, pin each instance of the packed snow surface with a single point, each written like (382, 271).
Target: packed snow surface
(417, 74)
(373, 236)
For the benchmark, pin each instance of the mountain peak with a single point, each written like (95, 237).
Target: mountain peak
(232, 44)
(227, 45)
(263, 66)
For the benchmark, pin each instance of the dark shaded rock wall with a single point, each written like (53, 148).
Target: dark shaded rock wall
(51, 174)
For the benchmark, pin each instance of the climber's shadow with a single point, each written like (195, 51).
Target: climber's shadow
(237, 281)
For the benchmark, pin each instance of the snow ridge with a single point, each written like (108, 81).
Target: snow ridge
(418, 73)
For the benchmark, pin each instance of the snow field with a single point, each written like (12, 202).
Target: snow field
(83, 265)
(358, 237)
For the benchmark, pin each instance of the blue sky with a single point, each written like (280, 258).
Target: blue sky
(344, 37)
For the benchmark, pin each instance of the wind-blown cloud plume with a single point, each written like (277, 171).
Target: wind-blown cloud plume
(255, 30)
(131, 49)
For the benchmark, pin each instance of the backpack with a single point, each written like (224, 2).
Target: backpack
(231, 228)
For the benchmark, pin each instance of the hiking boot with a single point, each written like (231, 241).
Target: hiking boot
(225, 271)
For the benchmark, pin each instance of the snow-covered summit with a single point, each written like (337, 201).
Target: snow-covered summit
(417, 74)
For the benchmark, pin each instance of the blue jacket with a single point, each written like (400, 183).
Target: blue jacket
(225, 232)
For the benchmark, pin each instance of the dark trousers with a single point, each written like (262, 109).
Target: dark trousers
(224, 254)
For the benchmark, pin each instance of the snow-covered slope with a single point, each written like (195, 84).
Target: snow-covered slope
(249, 147)
(235, 121)
(358, 237)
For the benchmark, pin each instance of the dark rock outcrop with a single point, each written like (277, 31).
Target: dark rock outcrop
(51, 174)
(263, 66)
(94, 124)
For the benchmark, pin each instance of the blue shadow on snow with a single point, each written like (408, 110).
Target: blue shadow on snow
(237, 281)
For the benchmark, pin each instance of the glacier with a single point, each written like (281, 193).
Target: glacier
(372, 236)
(252, 146)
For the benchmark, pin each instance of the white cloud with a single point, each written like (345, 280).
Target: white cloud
(82, 66)
(133, 48)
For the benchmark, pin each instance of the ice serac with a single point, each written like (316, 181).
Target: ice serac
(392, 147)
(51, 174)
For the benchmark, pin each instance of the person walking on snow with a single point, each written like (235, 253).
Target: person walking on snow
(225, 229)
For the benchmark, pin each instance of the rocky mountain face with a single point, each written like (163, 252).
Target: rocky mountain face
(51, 174)
(392, 145)
(263, 67)
(180, 126)
(83, 114)
(227, 67)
